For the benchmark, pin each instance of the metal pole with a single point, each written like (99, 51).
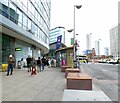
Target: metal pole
(74, 35)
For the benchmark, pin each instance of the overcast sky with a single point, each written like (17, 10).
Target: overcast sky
(95, 16)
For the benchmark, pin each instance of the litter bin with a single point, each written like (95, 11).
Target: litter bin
(19, 64)
(4, 67)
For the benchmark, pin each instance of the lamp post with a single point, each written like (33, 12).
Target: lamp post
(74, 53)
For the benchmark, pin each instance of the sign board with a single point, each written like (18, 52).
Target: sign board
(18, 49)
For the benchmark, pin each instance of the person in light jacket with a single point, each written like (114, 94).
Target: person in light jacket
(11, 61)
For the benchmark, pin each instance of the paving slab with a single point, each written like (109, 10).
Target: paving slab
(48, 85)
(84, 95)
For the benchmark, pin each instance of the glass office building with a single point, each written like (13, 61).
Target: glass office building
(55, 32)
(24, 28)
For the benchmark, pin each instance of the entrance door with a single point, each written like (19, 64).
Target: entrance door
(7, 47)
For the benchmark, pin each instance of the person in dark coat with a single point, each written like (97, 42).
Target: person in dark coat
(29, 59)
(43, 63)
(39, 64)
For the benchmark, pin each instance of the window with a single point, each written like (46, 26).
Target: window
(33, 9)
(19, 17)
(36, 14)
(25, 5)
(29, 6)
(13, 15)
(5, 10)
(5, 2)
(19, 2)
(29, 24)
(12, 6)
(45, 39)
(38, 17)
(40, 34)
(24, 21)
(36, 30)
(33, 27)
(22, 1)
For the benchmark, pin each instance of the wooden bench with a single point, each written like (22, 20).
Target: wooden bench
(71, 70)
(64, 67)
(79, 81)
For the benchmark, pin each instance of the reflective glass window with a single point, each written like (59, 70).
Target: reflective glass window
(38, 17)
(12, 6)
(33, 9)
(5, 2)
(5, 8)
(36, 29)
(4, 11)
(36, 14)
(19, 2)
(24, 21)
(33, 27)
(29, 24)
(22, 1)
(29, 6)
(40, 34)
(25, 5)
(19, 17)
(13, 14)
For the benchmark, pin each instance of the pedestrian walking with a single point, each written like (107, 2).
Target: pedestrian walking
(33, 66)
(49, 61)
(29, 63)
(22, 63)
(43, 62)
(54, 62)
(11, 61)
(39, 64)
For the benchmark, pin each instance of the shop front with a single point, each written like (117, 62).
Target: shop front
(18, 49)
(65, 54)
(7, 47)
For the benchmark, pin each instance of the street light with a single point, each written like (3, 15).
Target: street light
(78, 7)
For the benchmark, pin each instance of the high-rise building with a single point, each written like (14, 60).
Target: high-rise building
(97, 47)
(114, 41)
(88, 40)
(106, 51)
(25, 28)
(55, 32)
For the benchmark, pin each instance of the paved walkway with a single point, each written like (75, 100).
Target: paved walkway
(48, 85)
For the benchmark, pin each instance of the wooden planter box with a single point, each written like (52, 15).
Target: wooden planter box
(71, 70)
(79, 81)
(64, 67)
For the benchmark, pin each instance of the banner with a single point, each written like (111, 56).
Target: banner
(72, 41)
(59, 39)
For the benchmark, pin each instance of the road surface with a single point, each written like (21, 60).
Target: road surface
(105, 76)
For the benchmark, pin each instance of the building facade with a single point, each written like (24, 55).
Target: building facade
(97, 47)
(53, 49)
(88, 41)
(106, 51)
(25, 28)
(114, 41)
(55, 32)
